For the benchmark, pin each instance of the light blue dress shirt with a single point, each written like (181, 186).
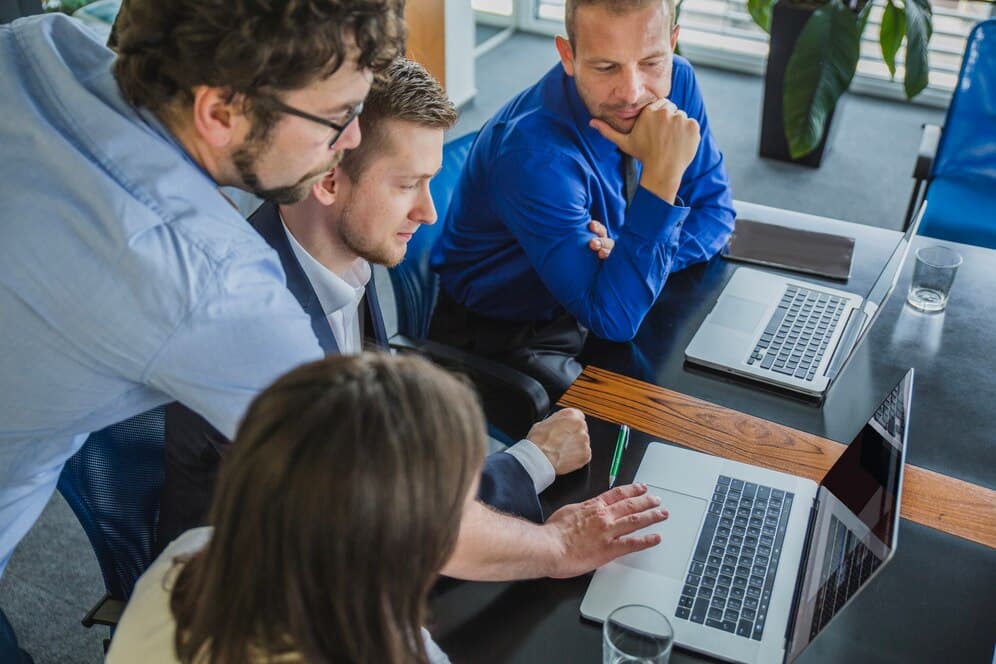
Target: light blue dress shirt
(126, 279)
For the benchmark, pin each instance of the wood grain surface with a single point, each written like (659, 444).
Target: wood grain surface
(929, 498)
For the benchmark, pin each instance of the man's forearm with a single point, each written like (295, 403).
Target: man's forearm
(497, 547)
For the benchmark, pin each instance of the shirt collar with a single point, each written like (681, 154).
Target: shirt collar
(600, 145)
(334, 292)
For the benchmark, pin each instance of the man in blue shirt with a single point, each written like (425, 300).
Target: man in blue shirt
(518, 282)
(128, 281)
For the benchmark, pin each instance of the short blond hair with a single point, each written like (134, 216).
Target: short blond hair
(404, 91)
(615, 6)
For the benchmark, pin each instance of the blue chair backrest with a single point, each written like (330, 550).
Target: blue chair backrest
(112, 485)
(10, 652)
(962, 191)
(415, 284)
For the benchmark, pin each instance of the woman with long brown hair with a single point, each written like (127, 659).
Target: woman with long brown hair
(334, 512)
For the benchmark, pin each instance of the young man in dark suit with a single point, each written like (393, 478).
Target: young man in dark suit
(363, 212)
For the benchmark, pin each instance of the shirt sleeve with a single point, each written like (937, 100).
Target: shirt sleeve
(535, 463)
(542, 197)
(244, 332)
(705, 187)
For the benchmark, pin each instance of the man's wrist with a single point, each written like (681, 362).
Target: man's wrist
(535, 462)
(663, 185)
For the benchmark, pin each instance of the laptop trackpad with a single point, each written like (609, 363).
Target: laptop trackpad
(739, 314)
(678, 535)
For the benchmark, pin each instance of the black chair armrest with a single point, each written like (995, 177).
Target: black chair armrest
(928, 150)
(512, 401)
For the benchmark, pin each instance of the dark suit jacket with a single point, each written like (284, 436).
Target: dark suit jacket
(194, 448)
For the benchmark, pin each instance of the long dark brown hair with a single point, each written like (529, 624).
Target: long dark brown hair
(337, 506)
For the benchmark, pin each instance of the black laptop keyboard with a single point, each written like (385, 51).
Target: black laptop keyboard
(797, 335)
(848, 564)
(890, 414)
(733, 568)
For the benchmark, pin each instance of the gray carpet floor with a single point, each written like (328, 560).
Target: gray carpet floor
(53, 578)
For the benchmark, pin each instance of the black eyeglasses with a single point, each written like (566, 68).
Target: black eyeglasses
(338, 128)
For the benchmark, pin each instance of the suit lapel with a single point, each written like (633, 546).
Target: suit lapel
(376, 316)
(266, 221)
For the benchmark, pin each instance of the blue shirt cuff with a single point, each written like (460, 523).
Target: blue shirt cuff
(654, 219)
(538, 467)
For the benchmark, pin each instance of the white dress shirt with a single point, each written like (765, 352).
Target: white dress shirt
(340, 298)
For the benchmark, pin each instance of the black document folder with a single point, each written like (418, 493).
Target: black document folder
(823, 254)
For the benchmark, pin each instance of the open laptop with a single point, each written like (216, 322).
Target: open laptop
(788, 332)
(753, 563)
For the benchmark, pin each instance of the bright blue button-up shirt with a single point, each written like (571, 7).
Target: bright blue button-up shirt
(126, 279)
(515, 245)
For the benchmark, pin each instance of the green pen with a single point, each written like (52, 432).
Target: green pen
(622, 442)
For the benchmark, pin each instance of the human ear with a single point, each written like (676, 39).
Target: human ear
(566, 54)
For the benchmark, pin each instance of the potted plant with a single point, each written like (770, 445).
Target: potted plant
(813, 55)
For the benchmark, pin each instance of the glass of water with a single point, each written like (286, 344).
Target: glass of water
(933, 275)
(636, 634)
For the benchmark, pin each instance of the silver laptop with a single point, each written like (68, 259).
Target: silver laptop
(788, 332)
(753, 563)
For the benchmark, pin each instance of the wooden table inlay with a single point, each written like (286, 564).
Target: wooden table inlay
(929, 498)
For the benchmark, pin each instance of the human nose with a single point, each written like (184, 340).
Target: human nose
(425, 211)
(351, 136)
(630, 85)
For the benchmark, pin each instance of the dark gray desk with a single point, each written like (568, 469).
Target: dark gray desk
(936, 601)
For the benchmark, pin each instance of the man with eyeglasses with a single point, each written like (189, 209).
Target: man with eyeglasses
(127, 280)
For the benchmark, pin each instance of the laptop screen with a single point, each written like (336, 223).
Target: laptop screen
(857, 517)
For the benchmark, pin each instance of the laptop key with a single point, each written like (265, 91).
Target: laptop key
(681, 613)
(686, 601)
(743, 628)
(731, 615)
(699, 610)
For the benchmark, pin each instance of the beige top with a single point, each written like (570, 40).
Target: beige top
(146, 631)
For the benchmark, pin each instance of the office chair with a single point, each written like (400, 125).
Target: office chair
(956, 165)
(512, 401)
(112, 485)
(10, 652)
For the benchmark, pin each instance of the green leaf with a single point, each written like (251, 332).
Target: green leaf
(891, 35)
(760, 11)
(819, 71)
(919, 28)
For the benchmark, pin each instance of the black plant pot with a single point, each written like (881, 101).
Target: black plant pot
(787, 21)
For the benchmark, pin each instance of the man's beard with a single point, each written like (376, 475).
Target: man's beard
(247, 156)
(357, 242)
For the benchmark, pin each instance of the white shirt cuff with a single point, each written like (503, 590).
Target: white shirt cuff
(535, 462)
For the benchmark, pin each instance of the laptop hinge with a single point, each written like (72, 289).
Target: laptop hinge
(852, 330)
(801, 579)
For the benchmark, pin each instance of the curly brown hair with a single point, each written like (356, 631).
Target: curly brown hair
(166, 49)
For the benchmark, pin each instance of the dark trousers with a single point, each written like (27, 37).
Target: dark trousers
(545, 350)
(194, 450)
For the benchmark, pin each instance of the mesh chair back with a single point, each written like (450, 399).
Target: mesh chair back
(112, 484)
(962, 191)
(415, 284)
